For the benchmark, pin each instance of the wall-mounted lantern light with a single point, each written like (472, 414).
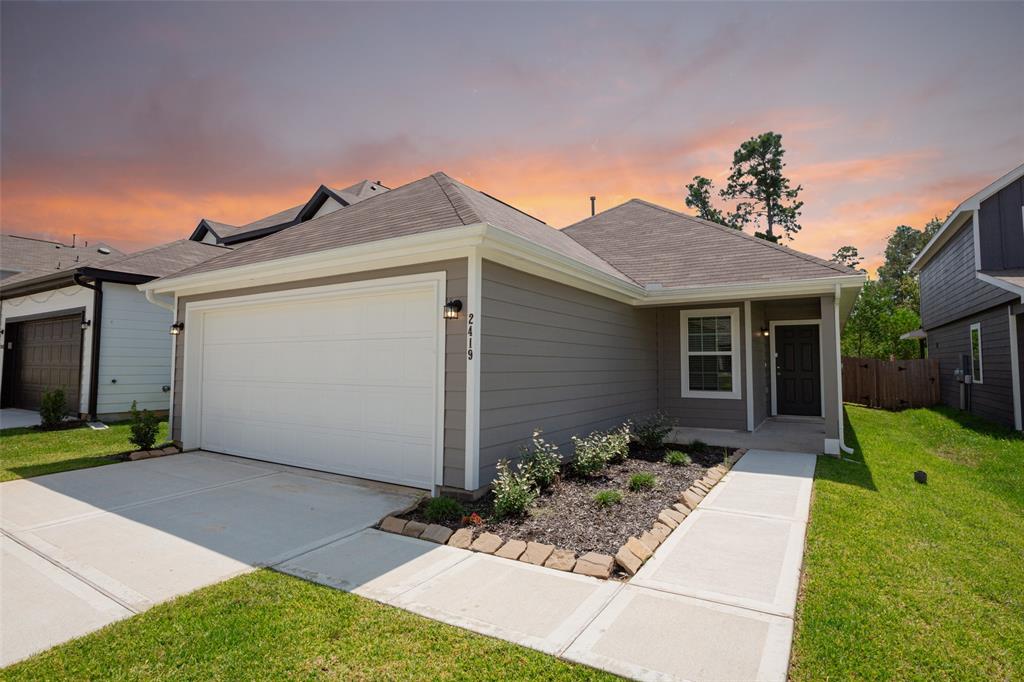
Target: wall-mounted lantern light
(176, 328)
(452, 309)
(86, 324)
(764, 331)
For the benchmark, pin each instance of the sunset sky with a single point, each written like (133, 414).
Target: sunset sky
(129, 122)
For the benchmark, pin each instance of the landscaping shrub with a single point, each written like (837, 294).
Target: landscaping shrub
(651, 432)
(513, 492)
(607, 498)
(541, 462)
(144, 427)
(52, 409)
(677, 458)
(642, 481)
(698, 445)
(443, 510)
(599, 449)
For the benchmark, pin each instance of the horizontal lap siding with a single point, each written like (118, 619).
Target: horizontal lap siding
(949, 288)
(559, 359)
(993, 399)
(135, 352)
(455, 351)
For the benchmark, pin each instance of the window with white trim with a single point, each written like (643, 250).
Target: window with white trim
(710, 342)
(976, 368)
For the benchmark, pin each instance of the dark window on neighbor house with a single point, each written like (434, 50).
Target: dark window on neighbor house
(976, 364)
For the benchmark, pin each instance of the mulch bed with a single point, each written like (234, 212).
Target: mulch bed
(567, 517)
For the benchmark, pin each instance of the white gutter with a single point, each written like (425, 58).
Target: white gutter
(839, 377)
(492, 243)
(151, 297)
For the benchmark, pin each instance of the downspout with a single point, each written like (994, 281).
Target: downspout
(152, 298)
(95, 327)
(843, 447)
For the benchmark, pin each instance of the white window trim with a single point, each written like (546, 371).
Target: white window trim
(773, 358)
(980, 379)
(684, 342)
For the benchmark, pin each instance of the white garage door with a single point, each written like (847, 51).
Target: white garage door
(334, 379)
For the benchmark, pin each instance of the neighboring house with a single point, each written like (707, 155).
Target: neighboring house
(86, 329)
(972, 287)
(324, 200)
(20, 255)
(420, 336)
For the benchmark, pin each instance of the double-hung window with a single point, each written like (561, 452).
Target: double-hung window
(710, 340)
(976, 368)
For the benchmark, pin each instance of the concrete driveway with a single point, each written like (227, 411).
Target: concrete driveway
(82, 549)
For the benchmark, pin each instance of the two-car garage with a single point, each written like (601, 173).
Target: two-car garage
(343, 378)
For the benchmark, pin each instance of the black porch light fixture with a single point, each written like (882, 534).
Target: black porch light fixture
(764, 331)
(86, 324)
(176, 328)
(452, 309)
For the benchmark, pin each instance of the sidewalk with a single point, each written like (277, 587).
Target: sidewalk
(716, 602)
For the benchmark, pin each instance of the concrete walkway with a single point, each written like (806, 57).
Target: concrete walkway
(715, 603)
(14, 418)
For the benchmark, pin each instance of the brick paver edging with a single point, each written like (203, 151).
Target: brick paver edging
(630, 557)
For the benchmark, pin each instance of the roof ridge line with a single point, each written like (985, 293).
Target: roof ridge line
(739, 232)
(451, 185)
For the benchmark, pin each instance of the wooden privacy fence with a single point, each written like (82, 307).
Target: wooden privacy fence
(891, 384)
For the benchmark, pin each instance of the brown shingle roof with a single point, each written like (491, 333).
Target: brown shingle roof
(656, 245)
(435, 202)
(33, 258)
(165, 259)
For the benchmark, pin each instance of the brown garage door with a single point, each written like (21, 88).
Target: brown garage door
(48, 355)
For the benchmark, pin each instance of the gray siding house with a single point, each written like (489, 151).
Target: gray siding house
(420, 335)
(972, 287)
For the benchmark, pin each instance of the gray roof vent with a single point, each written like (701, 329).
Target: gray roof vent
(104, 250)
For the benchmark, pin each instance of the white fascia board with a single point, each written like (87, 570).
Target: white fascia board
(456, 242)
(1002, 284)
(755, 290)
(490, 242)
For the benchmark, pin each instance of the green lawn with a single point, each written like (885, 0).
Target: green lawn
(267, 625)
(909, 581)
(27, 452)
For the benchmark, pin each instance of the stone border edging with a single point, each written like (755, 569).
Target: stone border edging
(630, 557)
(157, 452)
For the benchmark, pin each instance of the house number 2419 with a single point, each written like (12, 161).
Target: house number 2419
(469, 336)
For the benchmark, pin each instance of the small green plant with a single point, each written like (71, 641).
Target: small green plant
(651, 432)
(52, 409)
(698, 445)
(541, 461)
(443, 510)
(607, 498)
(513, 492)
(677, 458)
(599, 449)
(144, 427)
(642, 481)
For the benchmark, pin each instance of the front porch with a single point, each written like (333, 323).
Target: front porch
(791, 434)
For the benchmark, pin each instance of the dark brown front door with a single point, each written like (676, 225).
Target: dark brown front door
(798, 369)
(48, 356)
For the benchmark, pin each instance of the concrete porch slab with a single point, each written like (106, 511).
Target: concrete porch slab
(775, 433)
(29, 584)
(375, 565)
(748, 561)
(649, 635)
(529, 605)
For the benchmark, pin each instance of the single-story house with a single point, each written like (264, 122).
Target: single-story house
(972, 290)
(420, 335)
(86, 329)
